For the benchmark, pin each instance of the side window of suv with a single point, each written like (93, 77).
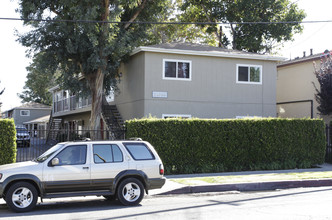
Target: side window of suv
(139, 151)
(107, 153)
(72, 155)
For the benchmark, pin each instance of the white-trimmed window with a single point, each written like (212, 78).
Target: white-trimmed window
(250, 74)
(177, 69)
(24, 112)
(165, 116)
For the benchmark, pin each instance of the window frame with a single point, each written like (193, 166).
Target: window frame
(133, 156)
(249, 82)
(177, 61)
(27, 115)
(69, 146)
(111, 145)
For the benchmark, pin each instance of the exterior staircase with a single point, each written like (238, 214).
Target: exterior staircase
(53, 128)
(113, 120)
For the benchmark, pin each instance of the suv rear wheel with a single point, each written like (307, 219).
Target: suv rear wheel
(130, 191)
(21, 197)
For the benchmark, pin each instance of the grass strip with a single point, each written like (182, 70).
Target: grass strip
(253, 178)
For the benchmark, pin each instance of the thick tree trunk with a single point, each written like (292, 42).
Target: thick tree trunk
(96, 82)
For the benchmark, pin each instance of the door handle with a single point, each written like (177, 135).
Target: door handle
(85, 168)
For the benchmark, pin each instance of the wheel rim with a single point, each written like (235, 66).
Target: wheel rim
(131, 192)
(22, 197)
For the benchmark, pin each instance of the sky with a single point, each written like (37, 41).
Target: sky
(13, 60)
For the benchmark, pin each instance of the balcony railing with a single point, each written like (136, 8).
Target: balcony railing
(70, 104)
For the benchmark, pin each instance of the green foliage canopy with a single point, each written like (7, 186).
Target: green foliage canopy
(38, 82)
(79, 40)
(249, 37)
(85, 47)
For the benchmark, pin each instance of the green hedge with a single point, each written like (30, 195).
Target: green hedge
(7, 141)
(199, 146)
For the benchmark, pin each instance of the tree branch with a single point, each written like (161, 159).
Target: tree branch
(106, 13)
(218, 36)
(140, 9)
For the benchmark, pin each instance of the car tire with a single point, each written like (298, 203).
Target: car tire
(130, 192)
(21, 197)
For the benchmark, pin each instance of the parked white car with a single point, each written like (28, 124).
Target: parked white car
(120, 170)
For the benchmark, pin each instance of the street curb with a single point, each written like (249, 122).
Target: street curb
(261, 186)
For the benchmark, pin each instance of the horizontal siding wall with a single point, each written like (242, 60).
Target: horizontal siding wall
(212, 91)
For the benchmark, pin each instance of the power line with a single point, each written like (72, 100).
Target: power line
(171, 22)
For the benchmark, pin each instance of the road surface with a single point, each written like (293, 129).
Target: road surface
(302, 203)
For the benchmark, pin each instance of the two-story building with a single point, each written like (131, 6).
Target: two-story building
(27, 112)
(190, 80)
(184, 80)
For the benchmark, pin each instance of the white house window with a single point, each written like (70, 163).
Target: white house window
(177, 69)
(251, 74)
(165, 116)
(25, 112)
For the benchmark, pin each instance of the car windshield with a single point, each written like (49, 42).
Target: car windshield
(48, 153)
(21, 130)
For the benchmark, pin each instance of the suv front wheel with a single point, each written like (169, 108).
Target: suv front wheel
(130, 191)
(21, 197)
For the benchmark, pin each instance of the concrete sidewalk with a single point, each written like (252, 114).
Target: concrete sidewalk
(172, 187)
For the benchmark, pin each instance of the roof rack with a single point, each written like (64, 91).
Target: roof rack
(135, 139)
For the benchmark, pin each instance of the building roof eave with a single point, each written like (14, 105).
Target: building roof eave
(208, 53)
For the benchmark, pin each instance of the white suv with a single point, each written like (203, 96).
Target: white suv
(120, 170)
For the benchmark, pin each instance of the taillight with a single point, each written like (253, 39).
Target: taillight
(161, 169)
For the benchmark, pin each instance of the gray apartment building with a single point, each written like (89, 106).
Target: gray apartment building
(184, 80)
(190, 80)
(27, 112)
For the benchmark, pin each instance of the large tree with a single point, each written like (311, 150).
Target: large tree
(88, 38)
(252, 23)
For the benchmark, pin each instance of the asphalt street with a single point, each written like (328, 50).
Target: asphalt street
(300, 203)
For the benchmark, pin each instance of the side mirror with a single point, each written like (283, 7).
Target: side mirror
(55, 161)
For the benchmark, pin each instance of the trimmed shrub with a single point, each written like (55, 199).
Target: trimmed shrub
(201, 146)
(7, 141)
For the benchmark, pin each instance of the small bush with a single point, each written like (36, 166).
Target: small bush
(7, 141)
(196, 145)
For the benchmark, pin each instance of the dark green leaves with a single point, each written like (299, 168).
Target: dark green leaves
(324, 93)
(7, 141)
(195, 145)
(76, 45)
(249, 37)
